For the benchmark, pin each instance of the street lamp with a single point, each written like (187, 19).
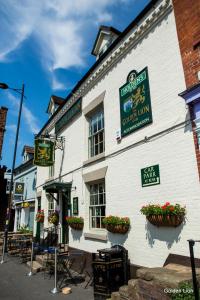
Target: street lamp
(4, 86)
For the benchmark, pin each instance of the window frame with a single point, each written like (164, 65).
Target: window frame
(96, 133)
(98, 206)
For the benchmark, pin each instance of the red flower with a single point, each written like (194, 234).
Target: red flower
(167, 203)
(171, 208)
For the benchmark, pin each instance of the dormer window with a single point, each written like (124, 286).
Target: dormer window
(54, 103)
(105, 37)
(27, 153)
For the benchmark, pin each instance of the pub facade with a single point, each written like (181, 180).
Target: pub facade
(123, 139)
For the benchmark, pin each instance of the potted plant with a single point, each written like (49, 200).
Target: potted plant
(164, 215)
(54, 218)
(116, 224)
(76, 223)
(40, 216)
(25, 204)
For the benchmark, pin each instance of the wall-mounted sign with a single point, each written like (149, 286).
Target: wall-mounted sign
(135, 102)
(68, 116)
(75, 206)
(150, 176)
(44, 152)
(19, 188)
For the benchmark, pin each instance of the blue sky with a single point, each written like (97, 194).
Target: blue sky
(47, 45)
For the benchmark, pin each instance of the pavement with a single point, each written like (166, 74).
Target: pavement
(16, 285)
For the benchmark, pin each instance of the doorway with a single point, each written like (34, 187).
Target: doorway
(38, 223)
(66, 212)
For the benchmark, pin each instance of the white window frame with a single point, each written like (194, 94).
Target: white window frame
(51, 205)
(97, 203)
(96, 137)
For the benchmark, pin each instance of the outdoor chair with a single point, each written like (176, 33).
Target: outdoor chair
(71, 267)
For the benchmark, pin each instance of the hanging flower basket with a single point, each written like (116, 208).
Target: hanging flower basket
(54, 218)
(75, 223)
(167, 215)
(116, 224)
(76, 226)
(40, 216)
(167, 220)
(117, 228)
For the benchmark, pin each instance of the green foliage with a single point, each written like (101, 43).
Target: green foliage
(166, 209)
(184, 292)
(114, 220)
(74, 220)
(24, 229)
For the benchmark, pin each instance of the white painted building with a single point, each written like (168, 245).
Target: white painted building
(96, 160)
(25, 191)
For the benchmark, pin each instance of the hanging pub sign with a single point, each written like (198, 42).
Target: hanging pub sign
(150, 176)
(19, 188)
(135, 102)
(44, 153)
(69, 115)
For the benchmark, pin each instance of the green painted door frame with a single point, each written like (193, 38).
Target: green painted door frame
(66, 212)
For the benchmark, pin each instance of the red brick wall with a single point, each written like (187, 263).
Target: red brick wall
(187, 15)
(3, 114)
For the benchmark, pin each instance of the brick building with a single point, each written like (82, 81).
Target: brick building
(187, 16)
(3, 115)
(3, 182)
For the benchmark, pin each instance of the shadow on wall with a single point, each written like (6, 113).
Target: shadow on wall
(164, 234)
(76, 234)
(117, 239)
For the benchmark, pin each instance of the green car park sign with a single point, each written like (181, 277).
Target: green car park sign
(150, 176)
(135, 102)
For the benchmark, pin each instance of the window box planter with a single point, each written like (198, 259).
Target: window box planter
(75, 223)
(165, 220)
(117, 228)
(167, 215)
(116, 224)
(76, 226)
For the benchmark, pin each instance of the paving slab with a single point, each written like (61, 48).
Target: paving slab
(15, 285)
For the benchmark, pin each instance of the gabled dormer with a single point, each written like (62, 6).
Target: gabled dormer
(54, 103)
(27, 153)
(105, 37)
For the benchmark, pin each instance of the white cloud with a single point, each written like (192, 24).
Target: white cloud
(28, 116)
(58, 27)
(11, 127)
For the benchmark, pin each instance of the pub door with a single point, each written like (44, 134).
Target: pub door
(38, 223)
(66, 212)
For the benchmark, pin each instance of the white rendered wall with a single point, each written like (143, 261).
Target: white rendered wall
(174, 152)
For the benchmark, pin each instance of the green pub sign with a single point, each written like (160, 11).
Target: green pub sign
(44, 153)
(19, 188)
(69, 115)
(150, 176)
(135, 102)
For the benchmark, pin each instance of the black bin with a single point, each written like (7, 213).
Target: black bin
(110, 270)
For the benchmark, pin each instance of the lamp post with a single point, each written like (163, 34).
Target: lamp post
(21, 92)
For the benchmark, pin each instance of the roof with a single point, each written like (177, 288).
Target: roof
(106, 28)
(57, 100)
(26, 165)
(134, 23)
(28, 149)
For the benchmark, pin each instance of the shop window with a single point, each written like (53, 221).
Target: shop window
(96, 134)
(97, 204)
